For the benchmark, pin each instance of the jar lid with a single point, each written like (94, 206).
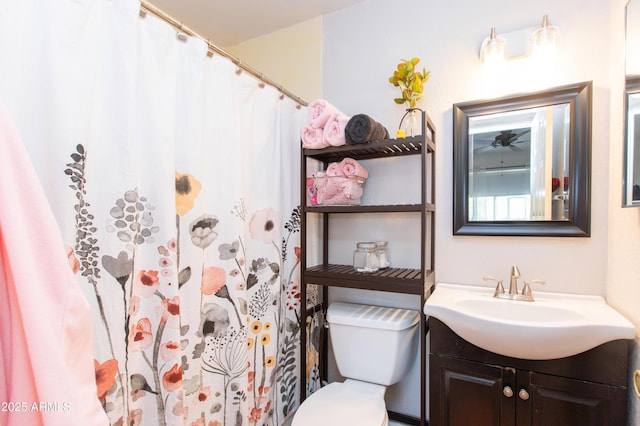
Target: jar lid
(381, 244)
(366, 245)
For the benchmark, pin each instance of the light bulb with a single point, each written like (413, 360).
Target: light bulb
(544, 40)
(493, 49)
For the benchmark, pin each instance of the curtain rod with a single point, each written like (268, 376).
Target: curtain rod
(148, 7)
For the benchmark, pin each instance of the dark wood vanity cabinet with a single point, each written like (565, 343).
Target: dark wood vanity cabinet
(470, 386)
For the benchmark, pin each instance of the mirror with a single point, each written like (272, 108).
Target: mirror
(631, 178)
(631, 194)
(522, 164)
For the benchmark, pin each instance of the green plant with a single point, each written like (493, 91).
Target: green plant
(411, 83)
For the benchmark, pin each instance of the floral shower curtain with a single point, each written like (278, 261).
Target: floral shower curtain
(171, 175)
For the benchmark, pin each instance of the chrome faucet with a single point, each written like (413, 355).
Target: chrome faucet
(513, 294)
(513, 283)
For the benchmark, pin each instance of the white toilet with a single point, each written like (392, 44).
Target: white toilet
(374, 347)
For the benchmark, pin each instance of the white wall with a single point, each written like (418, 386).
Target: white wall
(292, 57)
(360, 54)
(361, 47)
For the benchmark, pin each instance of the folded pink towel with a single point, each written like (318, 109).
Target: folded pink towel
(319, 112)
(350, 167)
(334, 129)
(312, 137)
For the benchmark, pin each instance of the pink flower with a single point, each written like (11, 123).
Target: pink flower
(265, 226)
(213, 279)
(147, 282)
(141, 336)
(172, 379)
(169, 307)
(255, 415)
(170, 350)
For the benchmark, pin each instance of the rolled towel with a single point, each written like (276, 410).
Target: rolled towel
(334, 129)
(312, 137)
(350, 167)
(334, 169)
(361, 129)
(319, 112)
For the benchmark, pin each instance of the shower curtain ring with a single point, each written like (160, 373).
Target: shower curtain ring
(261, 84)
(239, 70)
(209, 49)
(180, 35)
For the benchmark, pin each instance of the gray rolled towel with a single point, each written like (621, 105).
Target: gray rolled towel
(362, 129)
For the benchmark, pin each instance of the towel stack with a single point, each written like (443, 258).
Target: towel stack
(328, 126)
(325, 126)
(341, 183)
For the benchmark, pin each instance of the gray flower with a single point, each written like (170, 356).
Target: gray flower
(201, 230)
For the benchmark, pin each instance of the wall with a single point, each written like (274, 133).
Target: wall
(623, 277)
(296, 62)
(363, 43)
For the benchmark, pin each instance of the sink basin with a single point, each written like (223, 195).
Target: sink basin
(555, 325)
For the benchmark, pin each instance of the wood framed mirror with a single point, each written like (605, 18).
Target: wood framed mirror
(522, 164)
(631, 196)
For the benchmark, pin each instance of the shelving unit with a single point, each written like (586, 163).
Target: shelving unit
(418, 281)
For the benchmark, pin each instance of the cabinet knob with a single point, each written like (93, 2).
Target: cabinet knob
(523, 394)
(507, 391)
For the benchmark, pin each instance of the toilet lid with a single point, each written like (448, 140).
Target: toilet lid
(338, 404)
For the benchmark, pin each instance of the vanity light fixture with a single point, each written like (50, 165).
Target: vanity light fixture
(536, 42)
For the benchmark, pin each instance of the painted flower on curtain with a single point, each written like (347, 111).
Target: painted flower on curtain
(133, 386)
(248, 343)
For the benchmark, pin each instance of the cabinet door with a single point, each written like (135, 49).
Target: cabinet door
(562, 401)
(467, 393)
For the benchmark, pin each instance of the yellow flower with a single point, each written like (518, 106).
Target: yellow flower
(400, 134)
(187, 189)
(256, 327)
(269, 361)
(265, 339)
(267, 326)
(250, 343)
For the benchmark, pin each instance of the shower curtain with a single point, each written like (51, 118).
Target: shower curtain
(173, 177)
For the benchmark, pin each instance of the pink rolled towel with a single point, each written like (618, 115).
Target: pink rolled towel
(319, 112)
(334, 169)
(350, 167)
(312, 137)
(334, 129)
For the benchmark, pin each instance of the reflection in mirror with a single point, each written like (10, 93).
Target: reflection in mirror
(522, 164)
(632, 142)
(518, 164)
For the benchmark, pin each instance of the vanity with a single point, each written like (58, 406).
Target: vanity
(521, 375)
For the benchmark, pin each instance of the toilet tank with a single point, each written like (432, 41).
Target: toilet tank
(373, 343)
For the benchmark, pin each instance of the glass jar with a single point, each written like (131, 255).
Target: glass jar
(365, 258)
(383, 254)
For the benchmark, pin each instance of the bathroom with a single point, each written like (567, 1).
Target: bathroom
(348, 56)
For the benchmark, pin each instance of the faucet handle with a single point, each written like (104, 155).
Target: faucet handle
(526, 290)
(499, 286)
